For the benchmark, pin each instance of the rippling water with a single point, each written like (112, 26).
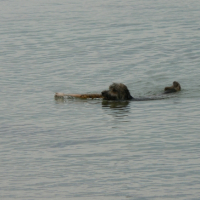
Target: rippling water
(93, 149)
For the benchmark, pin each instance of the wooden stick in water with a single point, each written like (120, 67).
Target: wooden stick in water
(82, 96)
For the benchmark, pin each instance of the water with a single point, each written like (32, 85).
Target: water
(89, 149)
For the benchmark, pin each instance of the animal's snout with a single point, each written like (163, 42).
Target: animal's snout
(104, 92)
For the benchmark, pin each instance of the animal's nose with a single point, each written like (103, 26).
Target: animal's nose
(103, 93)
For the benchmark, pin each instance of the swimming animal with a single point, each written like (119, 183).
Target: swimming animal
(119, 91)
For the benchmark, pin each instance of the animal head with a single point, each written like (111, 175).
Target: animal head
(117, 91)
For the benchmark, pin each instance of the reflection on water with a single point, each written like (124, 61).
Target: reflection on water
(119, 105)
(117, 109)
(60, 100)
(72, 148)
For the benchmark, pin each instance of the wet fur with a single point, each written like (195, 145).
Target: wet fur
(174, 88)
(119, 91)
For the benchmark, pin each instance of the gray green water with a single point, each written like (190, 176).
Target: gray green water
(89, 149)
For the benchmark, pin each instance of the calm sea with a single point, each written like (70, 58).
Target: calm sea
(93, 149)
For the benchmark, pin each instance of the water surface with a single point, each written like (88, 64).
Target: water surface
(93, 149)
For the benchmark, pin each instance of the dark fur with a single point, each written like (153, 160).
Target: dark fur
(174, 88)
(119, 91)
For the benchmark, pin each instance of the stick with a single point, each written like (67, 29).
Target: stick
(82, 96)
